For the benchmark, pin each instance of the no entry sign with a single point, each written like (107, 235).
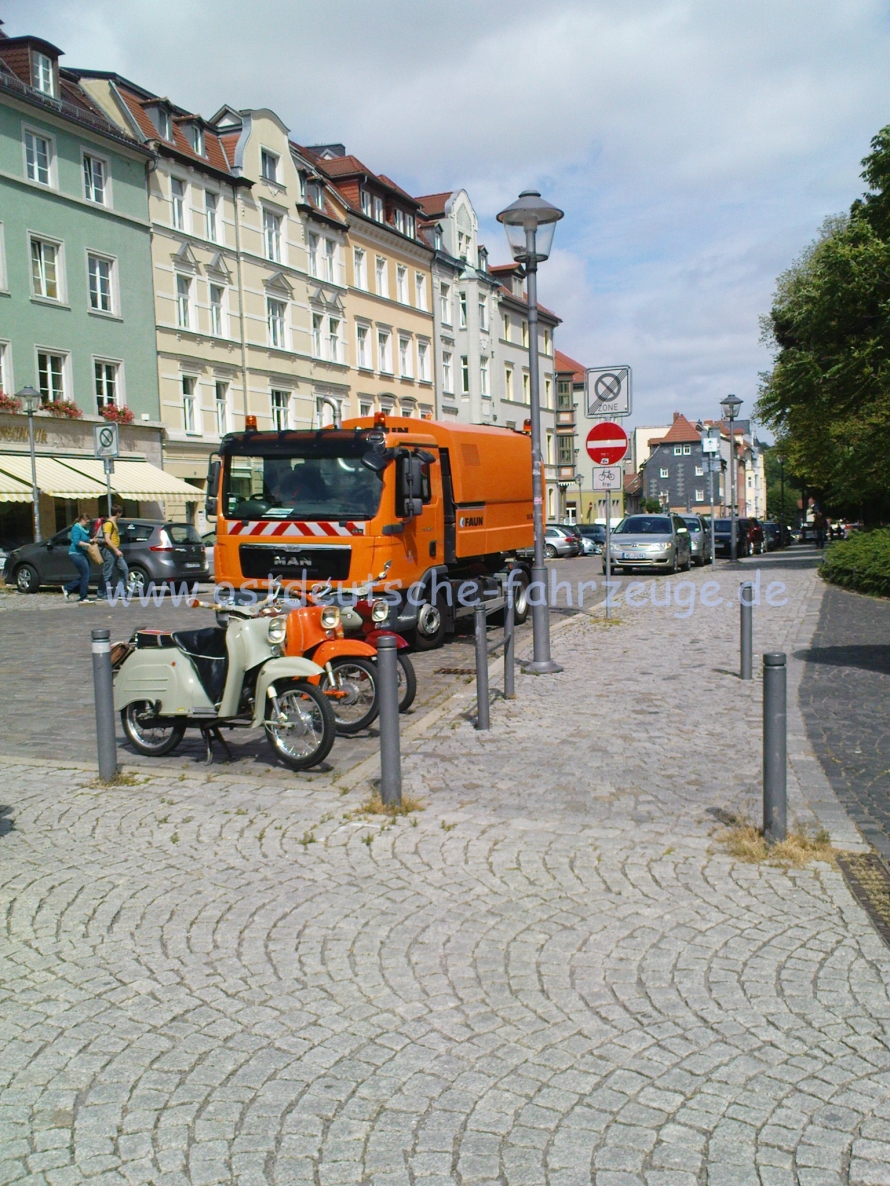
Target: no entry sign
(606, 443)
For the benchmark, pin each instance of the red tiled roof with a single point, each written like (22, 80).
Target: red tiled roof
(681, 431)
(504, 269)
(563, 363)
(215, 153)
(433, 205)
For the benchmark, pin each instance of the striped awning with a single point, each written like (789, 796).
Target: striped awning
(53, 478)
(137, 480)
(12, 490)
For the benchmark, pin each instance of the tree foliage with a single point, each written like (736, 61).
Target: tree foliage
(828, 394)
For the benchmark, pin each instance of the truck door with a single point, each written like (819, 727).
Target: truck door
(422, 536)
(448, 512)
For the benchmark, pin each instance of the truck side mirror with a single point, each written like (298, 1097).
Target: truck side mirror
(210, 502)
(410, 489)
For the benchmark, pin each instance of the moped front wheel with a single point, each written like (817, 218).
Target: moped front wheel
(300, 727)
(354, 696)
(148, 733)
(407, 682)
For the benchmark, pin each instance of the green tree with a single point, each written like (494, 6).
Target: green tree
(828, 394)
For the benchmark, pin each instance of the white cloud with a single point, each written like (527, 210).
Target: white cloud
(694, 146)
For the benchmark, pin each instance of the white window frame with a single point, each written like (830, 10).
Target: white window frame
(508, 382)
(447, 372)
(276, 320)
(211, 215)
(399, 217)
(664, 473)
(401, 284)
(366, 203)
(189, 397)
(274, 232)
(420, 291)
(687, 450)
(365, 407)
(61, 289)
(360, 268)
(266, 154)
(7, 379)
(445, 303)
(313, 245)
(699, 471)
(381, 276)
(483, 314)
(507, 328)
(42, 67)
(465, 374)
(462, 309)
(526, 388)
(106, 185)
(65, 371)
(410, 226)
(547, 342)
(183, 297)
(423, 360)
(678, 450)
(525, 335)
(4, 283)
(699, 494)
(280, 423)
(119, 394)
(406, 370)
(384, 350)
(221, 406)
(483, 376)
(218, 313)
(330, 260)
(38, 133)
(197, 140)
(180, 203)
(379, 212)
(362, 346)
(113, 292)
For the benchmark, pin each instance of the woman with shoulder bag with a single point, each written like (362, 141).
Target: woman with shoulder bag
(81, 544)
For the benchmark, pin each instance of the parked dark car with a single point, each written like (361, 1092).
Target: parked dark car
(155, 552)
(773, 536)
(749, 537)
(595, 532)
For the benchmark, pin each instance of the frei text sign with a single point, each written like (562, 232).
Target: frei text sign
(106, 441)
(608, 391)
(606, 443)
(607, 477)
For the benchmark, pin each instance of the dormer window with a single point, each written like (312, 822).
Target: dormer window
(43, 73)
(316, 194)
(196, 136)
(410, 226)
(400, 221)
(160, 117)
(269, 165)
(378, 209)
(366, 203)
(437, 238)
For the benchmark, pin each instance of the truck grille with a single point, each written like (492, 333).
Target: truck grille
(326, 563)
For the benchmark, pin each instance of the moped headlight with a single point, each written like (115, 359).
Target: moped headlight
(379, 611)
(330, 617)
(277, 629)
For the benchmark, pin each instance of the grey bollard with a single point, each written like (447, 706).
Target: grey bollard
(103, 691)
(483, 720)
(388, 694)
(746, 631)
(775, 757)
(509, 664)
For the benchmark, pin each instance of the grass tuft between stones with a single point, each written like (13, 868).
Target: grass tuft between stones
(374, 805)
(119, 779)
(747, 843)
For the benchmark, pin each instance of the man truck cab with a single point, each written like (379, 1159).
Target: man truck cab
(444, 510)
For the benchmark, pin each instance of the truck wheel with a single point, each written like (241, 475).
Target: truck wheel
(430, 629)
(520, 603)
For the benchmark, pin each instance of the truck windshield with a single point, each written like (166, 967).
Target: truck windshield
(300, 486)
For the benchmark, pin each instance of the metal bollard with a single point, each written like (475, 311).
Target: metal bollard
(746, 631)
(388, 693)
(104, 696)
(509, 665)
(775, 757)
(483, 720)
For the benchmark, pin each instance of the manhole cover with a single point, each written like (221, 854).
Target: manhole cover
(869, 882)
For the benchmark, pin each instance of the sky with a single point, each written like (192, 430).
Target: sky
(695, 147)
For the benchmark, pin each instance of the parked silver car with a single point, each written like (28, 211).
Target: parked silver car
(650, 541)
(559, 542)
(699, 539)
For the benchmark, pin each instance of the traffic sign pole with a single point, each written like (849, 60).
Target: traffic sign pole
(608, 550)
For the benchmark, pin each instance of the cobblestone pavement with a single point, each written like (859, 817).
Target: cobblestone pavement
(845, 698)
(552, 974)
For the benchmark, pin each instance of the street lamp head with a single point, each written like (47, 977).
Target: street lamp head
(31, 400)
(731, 406)
(530, 213)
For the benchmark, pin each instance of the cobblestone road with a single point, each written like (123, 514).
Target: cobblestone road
(552, 974)
(845, 697)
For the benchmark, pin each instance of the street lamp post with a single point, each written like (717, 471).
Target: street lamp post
(31, 401)
(530, 223)
(730, 407)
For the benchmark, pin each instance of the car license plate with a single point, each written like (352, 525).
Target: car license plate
(193, 566)
(632, 556)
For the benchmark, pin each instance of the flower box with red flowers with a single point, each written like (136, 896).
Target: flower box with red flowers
(116, 415)
(63, 409)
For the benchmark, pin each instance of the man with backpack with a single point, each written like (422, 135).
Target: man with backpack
(115, 571)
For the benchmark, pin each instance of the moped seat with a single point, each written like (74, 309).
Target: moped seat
(207, 650)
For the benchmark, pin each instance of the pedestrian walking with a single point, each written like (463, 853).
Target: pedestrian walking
(78, 552)
(115, 571)
(819, 524)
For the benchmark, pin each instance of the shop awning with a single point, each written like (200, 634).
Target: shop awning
(53, 478)
(137, 480)
(12, 490)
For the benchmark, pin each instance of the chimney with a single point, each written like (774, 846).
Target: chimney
(676, 415)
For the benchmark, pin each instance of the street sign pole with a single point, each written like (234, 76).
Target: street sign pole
(608, 550)
(109, 470)
(711, 494)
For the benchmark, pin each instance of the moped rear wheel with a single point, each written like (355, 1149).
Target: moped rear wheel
(148, 733)
(407, 682)
(355, 706)
(303, 729)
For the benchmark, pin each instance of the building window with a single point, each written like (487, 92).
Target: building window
(364, 409)
(465, 374)
(483, 375)
(678, 450)
(361, 337)
(525, 334)
(420, 290)
(687, 450)
(100, 274)
(316, 194)
(378, 209)
(664, 473)
(423, 368)
(38, 158)
(268, 165)
(447, 377)
(43, 73)
(105, 374)
(217, 296)
(407, 410)
(508, 382)
(360, 268)
(183, 301)
(384, 361)
(699, 471)
(197, 136)
(45, 269)
(95, 178)
(275, 313)
(334, 350)
(565, 450)
(161, 117)
(366, 203)
(281, 410)
(51, 376)
(400, 221)
(445, 303)
(211, 205)
(699, 495)
(483, 314)
(463, 310)
(222, 408)
(526, 388)
(330, 259)
(506, 327)
(401, 284)
(317, 321)
(382, 286)
(564, 396)
(313, 255)
(546, 341)
(189, 421)
(5, 376)
(548, 393)
(405, 358)
(410, 226)
(272, 235)
(177, 199)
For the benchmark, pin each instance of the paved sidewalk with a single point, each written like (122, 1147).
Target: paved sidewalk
(553, 974)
